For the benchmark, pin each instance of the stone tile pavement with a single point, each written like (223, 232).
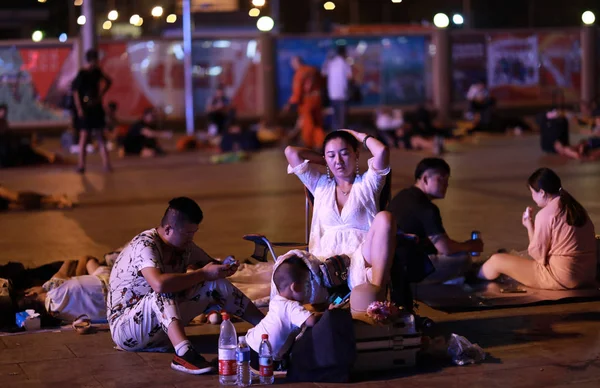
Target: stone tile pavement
(551, 346)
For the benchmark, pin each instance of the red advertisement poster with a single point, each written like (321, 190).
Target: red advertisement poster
(513, 67)
(468, 62)
(560, 59)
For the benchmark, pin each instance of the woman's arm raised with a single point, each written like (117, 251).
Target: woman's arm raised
(380, 151)
(297, 155)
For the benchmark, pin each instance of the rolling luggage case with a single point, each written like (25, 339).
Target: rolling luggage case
(384, 347)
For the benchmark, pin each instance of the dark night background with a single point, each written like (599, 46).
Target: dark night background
(295, 14)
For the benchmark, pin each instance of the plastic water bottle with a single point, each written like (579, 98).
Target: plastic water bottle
(474, 236)
(265, 361)
(244, 378)
(227, 348)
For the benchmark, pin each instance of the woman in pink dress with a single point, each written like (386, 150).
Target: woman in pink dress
(561, 241)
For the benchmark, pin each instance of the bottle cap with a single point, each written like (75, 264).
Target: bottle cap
(265, 336)
(225, 316)
(242, 338)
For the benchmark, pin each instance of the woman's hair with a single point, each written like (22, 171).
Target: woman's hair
(346, 136)
(547, 180)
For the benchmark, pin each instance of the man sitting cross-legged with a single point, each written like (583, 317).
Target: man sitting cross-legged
(162, 280)
(416, 214)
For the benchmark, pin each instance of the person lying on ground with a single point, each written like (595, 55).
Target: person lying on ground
(562, 241)
(66, 297)
(28, 200)
(162, 280)
(392, 128)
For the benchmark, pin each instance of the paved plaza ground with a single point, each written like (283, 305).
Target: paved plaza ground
(544, 346)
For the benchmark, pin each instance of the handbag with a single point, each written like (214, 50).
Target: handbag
(335, 270)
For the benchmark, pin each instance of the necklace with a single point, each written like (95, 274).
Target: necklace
(344, 192)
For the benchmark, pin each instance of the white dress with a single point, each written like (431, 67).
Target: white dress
(333, 232)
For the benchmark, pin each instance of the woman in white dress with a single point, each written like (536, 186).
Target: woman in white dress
(345, 213)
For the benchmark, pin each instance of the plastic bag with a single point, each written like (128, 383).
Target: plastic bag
(464, 352)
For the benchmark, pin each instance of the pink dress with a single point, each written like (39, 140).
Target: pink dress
(566, 255)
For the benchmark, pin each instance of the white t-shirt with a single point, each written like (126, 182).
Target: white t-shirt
(282, 323)
(80, 295)
(386, 122)
(127, 284)
(338, 72)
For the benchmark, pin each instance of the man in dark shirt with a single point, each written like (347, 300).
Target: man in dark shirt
(416, 214)
(141, 138)
(89, 87)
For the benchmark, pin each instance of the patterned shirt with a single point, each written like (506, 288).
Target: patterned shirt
(127, 285)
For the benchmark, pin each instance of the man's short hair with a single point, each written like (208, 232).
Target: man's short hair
(91, 55)
(292, 270)
(341, 51)
(182, 210)
(436, 164)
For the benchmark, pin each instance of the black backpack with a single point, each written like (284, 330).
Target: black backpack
(326, 352)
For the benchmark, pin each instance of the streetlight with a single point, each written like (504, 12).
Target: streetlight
(107, 25)
(458, 19)
(37, 36)
(81, 20)
(172, 18)
(440, 20)
(265, 24)
(113, 15)
(134, 19)
(588, 18)
(157, 11)
(329, 6)
(62, 37)
(41, 1)
(78, 3)
(254, 12)
(258, 3)
(396, 1)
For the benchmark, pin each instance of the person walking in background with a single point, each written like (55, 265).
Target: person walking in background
(338, 73)
(306, 94)
(89, 87)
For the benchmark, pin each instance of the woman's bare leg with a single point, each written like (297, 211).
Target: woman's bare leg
(379, 247)
(519, 268)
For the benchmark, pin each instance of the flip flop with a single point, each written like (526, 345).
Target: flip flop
(82, 324)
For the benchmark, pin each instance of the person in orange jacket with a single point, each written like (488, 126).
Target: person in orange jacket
(306, 94)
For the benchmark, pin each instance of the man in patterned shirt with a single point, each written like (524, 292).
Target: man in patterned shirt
(162, 280)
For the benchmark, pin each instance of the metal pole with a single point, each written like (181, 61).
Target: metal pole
(72, 31)
(468, 13)
(88, 36)
(588, 65)
(275, 15)
(187, 66)
(442, 75)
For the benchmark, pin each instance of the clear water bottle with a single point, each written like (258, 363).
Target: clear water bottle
(265, 361)
(227, 348)
(474, 236)
(244, 378)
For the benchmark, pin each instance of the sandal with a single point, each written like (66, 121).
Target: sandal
(82, 324)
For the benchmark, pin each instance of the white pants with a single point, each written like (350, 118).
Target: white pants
(143, 327)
